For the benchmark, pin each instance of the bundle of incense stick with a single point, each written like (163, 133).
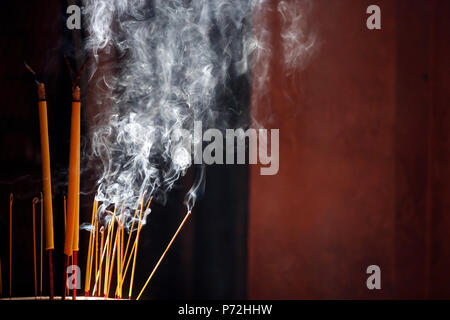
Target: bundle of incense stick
(111, 255)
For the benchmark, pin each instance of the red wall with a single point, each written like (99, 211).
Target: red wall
(364, 150)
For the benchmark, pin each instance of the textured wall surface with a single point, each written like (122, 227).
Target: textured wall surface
(364, 150)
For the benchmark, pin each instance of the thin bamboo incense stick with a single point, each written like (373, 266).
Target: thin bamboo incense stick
(1, 279)
(124, 273)
(65, 213)
(91, 261)
(98, 273)
(107, 246)
(76, 230)
(98, 278)
(46, 175)
(65, 287)
(11, 200)
(118, 241)
(118, 266)
(130, 291)
(111, 269)
(74, 172)
(120, 263)
(35, 201)
(102, 230)
(164, 253)
(42, 242)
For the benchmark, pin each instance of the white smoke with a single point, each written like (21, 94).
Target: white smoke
(172, 58)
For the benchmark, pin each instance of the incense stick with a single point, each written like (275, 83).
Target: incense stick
(120, 257)
(112, 265)
(98, 278)
(132, 226)
(1, 278)
(164, 253)
(124, 273)
(11, 200)
(130, 291)
(90, 252)
(66, 288)
(108, 256)
(42, 235)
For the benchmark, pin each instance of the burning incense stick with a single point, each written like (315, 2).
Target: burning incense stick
(72, 230)
(96, 244)
(124, 273)
(131, 229)
(65, 213)
(119, 262)
(130, 291)
(98, 278)
(35, 201)
(111, 269)
(128, 263)
(46, 174)
(90, 253)
(42, 233)
(73, 178)
(102, 241)
(76, 232)
(164, 253)
(11, 200)
(1, 278)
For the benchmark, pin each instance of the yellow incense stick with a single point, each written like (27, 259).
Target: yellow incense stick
(91, 254)
(35, 200)
(99, 275)
(73, 172)
(119, 265)
(164, 253)
(124, 273)
(112, 264)
(1, 278)
(96, 245)
(128, 263)
(11, 200)
(90, 251)
(76, 220)
(46, 173)
(132, 226)
(108, 257)
(42, 241)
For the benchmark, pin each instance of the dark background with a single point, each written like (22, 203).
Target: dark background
(364, 163)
